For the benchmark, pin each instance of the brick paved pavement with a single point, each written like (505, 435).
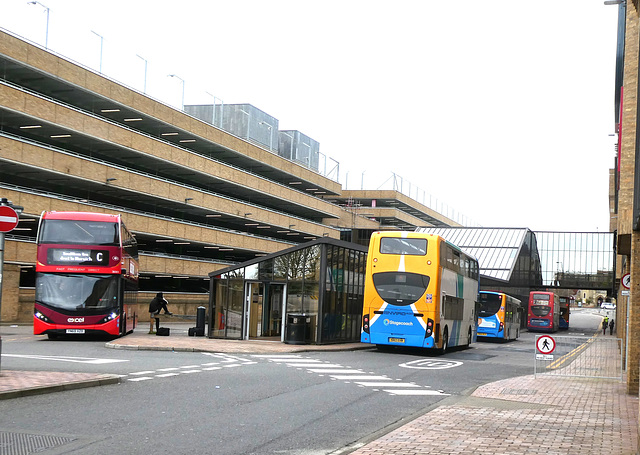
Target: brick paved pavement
(523, 415)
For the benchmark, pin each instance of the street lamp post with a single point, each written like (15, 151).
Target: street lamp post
(290, 145)
(181, 80)
(46, 37)
(213, 117)
(101, 46)
(144, 90)
(248, 122)
(308, 154)
(270, 134)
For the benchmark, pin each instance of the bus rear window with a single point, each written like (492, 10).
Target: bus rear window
(400, 288)
(393, 245)
(540, 310)
(489, 305)
(78, 232)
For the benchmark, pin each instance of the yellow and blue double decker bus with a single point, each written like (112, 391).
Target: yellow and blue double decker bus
(498, 316)
(420, 290)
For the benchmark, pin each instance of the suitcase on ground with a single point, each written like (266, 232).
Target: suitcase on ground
(163, 332)
(196, 331)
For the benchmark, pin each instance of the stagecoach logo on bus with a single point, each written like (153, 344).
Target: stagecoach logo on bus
(390, 322)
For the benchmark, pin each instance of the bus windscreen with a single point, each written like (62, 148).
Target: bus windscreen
(70, 292)
(79, 232)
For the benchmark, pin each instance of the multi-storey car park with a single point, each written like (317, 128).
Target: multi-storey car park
(197, 197)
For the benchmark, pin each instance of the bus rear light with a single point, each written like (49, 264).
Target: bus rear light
(365, 323)
(429, 330)
(501, 327)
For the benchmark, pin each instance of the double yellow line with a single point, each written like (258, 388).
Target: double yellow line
(570, 355)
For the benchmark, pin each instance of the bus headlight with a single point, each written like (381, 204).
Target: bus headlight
(365, 323)
(108, 318)
(42, 317)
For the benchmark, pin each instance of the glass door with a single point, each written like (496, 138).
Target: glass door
(273, 310)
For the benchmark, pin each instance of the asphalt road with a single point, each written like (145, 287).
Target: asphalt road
(309, 403)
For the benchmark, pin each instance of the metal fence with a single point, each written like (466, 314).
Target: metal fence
(572, 356)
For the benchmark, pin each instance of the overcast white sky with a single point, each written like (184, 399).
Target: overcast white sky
(498, 110)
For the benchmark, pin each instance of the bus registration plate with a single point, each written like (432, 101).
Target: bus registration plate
(396, 340)
(75, 331)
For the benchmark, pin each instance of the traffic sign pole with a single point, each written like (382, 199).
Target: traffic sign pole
(9, 219)
(1, 269)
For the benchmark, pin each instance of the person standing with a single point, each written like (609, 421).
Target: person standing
(604, 326)
(611, 324)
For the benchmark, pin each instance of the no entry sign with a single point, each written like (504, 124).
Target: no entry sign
(8, 218)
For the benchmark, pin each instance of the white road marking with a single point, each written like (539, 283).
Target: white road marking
(276, 356)
(94, 361)
(334, 370)
(360, 378)
(416, 392)
(387, 384)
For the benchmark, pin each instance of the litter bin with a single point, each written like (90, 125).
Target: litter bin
(198, 330)
(200, 316)
(298, 329)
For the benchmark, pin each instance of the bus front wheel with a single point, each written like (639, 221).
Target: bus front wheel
(445, 341)
(469, 338)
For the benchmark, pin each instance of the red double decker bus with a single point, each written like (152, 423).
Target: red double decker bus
(86, 275)
(544, 312)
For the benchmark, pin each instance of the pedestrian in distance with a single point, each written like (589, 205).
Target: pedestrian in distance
(604, 326)
(159, 303)
(611, 324)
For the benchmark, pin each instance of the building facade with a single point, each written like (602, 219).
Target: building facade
(197, 197)
(625, 190)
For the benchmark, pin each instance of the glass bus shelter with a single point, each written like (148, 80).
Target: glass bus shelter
(311, 293)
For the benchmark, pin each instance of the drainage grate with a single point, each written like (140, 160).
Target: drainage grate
(25, 444)
(518, 392)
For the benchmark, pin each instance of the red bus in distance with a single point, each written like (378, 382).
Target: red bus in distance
(86, 275)
(544, 312)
